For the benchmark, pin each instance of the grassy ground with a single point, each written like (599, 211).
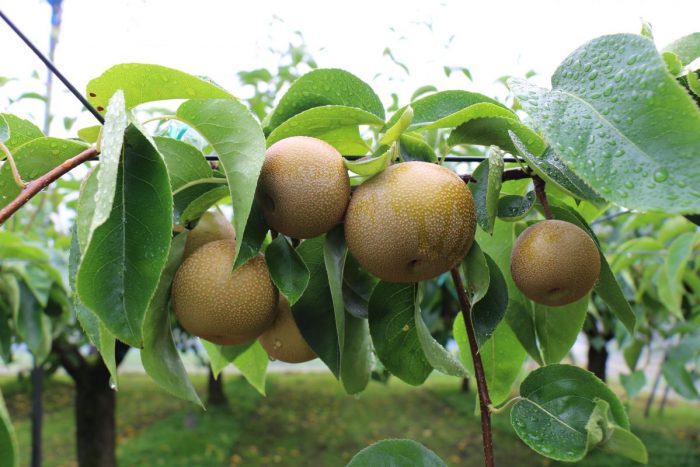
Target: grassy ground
(307, 417)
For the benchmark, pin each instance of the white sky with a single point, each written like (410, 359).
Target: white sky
(220, 38)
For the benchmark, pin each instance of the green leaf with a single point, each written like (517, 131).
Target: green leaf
(185, 162)
(476, 273)
(34, 159)
(9, 309)
(313, 312)
(687, 48)
(442, 105)
(677, 376)
(110, 163)
(502, 358)
(147, 83)
(255, 232)
(372, 165)
(357, 288)
(673, 63)
(632, 352)
(195, 201)
(356, 359)
(90, 134)
(9, 454)
(495, 131)
(553, 171)
(21, 131)
(513, 208)
(395, 131)
(122, 263)
(626, 127)
(607, 286)
(287, 269)
(558, 327)
(94, 329)
(412, 147)
(557, 402)
(488, 312)
(238, 140)
(423, 90)
(33, 326)
(250, 359)
(335, 124)
(396, 453)
(438, 357)
(334, 253)
(4, 131)
(159, 356)
(486, 189)
(325, 87)
(392, 324)
(624, 443)
(633, 383)
(679, 254)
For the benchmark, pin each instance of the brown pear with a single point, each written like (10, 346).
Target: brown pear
(283, 340)
(410, 223)
(212, 226)
(220, 305)
(555, 263)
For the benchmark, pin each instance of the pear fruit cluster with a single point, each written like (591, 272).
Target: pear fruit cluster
(227, 307)
(555, 263)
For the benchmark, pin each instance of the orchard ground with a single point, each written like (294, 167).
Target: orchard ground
(306, 419)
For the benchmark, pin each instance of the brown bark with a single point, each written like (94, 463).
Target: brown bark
(215, 390)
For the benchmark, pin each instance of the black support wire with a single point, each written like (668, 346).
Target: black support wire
(53, 69)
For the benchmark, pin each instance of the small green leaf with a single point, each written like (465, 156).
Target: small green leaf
(336, 124)
(9, 454)
(356, 360)
(488, 176)
(147, 83)
(687, 48)
(494, 131)
(313, 312)
(34, 159)
(334, 253)
(558, 327)
(392, 324)
(395, 131)
(357, 287)
(9, 308)
(325, 87)
(372, 165)
(287, 269)
(673, 63)
(488, 312)
(20, 132)
(90, 134)
(185, 162)
(256, 230)
(624, 443)
(196, 201)
(395, 453)
(677, 376)
(556, 405)
(238, 140)
(159, 356)
(679, 254)
(252, 363)
(220, 356)
(633, 383)
(438, 357)
(423, 90)
(513, 208)
(121, 265)
(476, 273)
(631, 152)
(412, 147)
(33, 326)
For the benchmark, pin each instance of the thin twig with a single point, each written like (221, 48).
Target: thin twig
(542, 196)
(13, 166)
(35, 186)
(514, 174)
(484, 400)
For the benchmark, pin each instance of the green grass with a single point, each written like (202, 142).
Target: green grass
(307, 420)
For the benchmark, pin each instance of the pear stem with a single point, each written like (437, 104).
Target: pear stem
(484, 399)
(542, 196)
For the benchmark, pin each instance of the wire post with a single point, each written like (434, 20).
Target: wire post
(53, 69)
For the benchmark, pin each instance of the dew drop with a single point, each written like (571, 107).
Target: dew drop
(661, 175)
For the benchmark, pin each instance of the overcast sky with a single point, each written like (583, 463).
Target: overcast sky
(220, 38)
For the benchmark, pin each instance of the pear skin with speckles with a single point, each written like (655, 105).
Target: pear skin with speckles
(220, 305)
(555, 263)
(212, 226)
(304, 188)
(283, 340)
(412, 222)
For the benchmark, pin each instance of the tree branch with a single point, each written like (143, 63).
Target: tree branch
(513, 174)
(542, 196)
(33, 187)
(484, 399)
(70, 358)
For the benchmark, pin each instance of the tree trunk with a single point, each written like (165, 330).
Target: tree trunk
(95, 404)
(465, 385)
(37, 413)
(215, 390)
(597, 360)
